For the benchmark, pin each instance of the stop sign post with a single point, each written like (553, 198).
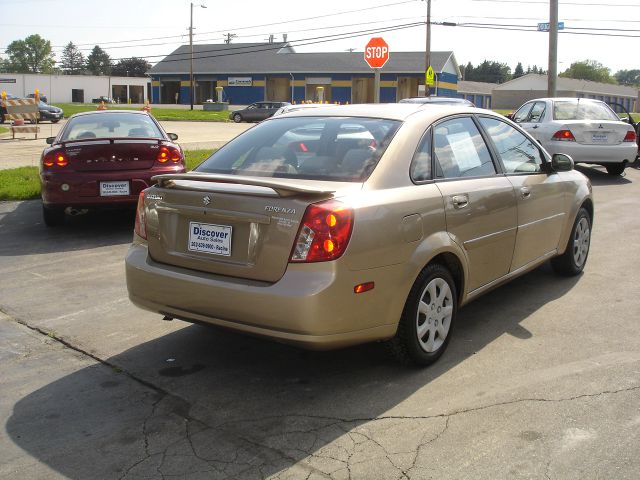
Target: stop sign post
(376, 54)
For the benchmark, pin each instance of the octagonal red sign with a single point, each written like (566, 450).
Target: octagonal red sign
(376, 53)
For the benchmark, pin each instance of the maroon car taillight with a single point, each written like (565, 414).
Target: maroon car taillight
(564, 135)
(55, 159)
(630, 136)
(140, 227)
(324, 232)
(169, 154)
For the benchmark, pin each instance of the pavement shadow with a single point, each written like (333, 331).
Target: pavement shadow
(213, 404)
(23, 220)
(599, 176)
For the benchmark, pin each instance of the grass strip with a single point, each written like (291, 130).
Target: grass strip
(23, 183)
(158, 112)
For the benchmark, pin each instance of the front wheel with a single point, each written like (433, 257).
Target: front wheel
(616, 168)
(237, 118)
(428, 318)
(574, 258)
(55, 121)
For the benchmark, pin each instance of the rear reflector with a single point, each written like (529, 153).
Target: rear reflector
(363, 287)
(140, 227)
(630, 136)
(324, 232)
(564, 135)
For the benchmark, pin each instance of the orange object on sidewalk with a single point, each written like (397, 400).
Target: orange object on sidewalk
(102, 106)
(147, 107)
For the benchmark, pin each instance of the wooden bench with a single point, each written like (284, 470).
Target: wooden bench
(22, 109)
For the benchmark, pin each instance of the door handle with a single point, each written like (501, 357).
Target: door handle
(460, 201)
(525, 192)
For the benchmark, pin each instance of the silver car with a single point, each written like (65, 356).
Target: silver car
(587, 130)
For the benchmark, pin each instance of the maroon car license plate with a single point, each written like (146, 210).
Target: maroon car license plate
(114, 189)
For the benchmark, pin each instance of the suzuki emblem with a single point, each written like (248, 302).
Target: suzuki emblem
(206, 200)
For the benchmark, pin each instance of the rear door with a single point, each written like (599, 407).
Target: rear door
(480, 204)
(541, 197)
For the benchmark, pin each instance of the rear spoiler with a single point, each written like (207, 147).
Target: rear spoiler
(281, 186)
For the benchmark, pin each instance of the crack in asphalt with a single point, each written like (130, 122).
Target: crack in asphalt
(342, 423)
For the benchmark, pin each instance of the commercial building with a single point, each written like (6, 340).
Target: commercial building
(251, 72)
(77, 88)
(479, 93)
(512, 94)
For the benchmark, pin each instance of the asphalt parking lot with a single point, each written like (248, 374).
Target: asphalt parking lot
(541, 380)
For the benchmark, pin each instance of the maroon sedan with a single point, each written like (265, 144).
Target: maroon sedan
(104, 158)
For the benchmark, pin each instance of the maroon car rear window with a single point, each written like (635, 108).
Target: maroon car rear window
(110, 125)
(343, 149)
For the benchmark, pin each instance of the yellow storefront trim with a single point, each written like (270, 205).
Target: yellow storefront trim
(221, 83)
(258, 83)
(185, 83)
(388, 83)
(447, 85)
(155, 83)
(299, 83)
(340, 83)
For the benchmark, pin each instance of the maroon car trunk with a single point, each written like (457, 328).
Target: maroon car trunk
(111, 155)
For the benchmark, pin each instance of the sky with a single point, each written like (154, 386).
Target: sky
(487, 29)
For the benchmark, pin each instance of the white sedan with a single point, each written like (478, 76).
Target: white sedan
(587, 130)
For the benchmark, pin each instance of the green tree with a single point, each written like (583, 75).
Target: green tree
(489, 71)
(589, 70)
(131, 67)
(519, 71)
(31, 55)
(4, 66)
(73, 62)
(99, 62)
(628, 77)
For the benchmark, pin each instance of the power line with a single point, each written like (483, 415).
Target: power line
(563, 3)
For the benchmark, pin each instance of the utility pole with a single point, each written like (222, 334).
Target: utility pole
(427, 53)
(191, 55)
(552, 74)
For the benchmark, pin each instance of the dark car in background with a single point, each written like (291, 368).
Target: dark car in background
(49, 112)
(3, 109)
(256, 112)
(103, 98)
(104, 159)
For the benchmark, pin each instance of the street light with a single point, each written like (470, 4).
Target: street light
(191, 56)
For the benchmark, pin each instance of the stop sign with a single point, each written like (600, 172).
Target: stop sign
(376, 53)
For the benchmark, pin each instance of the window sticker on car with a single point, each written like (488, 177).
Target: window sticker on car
(464, 151)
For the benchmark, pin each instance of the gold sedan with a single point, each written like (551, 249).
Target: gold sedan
(336, 226)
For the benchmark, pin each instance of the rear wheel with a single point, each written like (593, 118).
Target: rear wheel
(616, 168)
(55, 121)
(428, 318)
(237, 118)
(574, 258)
(53, 217)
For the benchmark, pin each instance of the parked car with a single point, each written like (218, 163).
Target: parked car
(3, 109)
(338, 241)
(104, 159)
(438, 101)
(626, 116)
(256, 112)
(587, 130)
(49, 112)
(104, 99)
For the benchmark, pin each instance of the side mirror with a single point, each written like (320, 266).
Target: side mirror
(509, 115)
(172, 136)
(561, 162)
(50, 140)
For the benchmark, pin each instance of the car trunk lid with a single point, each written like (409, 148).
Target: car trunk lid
(111, 154)
(229, 225)
(597, 132)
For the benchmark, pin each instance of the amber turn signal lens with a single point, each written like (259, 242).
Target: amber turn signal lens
(364, 287)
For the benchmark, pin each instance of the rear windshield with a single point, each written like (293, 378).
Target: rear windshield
(110, 125)
(577, 110)
(314, 148)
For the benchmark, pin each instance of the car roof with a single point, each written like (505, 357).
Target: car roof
(107, 112)
(564, 99)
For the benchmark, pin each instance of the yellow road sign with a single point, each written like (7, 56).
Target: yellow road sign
(429, 77)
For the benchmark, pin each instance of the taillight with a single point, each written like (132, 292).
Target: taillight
(55, 159)
(324, 232)
(630, 136)
(169, 154)
(141, 219)
(564, 135)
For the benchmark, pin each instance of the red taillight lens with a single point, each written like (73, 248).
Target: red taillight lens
(52, 159)
(141, 219)
(324, 232)
(169, 154)
(564, 135)
(630, 136)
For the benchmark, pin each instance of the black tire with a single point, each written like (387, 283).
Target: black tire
(53, 217)
(55, 121)
(1, 118)
(574, 258)
(615, 168)
(237, 118)
(407, 346)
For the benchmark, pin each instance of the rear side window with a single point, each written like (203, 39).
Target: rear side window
(315, 148)
(421, 164)
(460, 151)
(517, 152)
(582, 110)
(110, 125)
